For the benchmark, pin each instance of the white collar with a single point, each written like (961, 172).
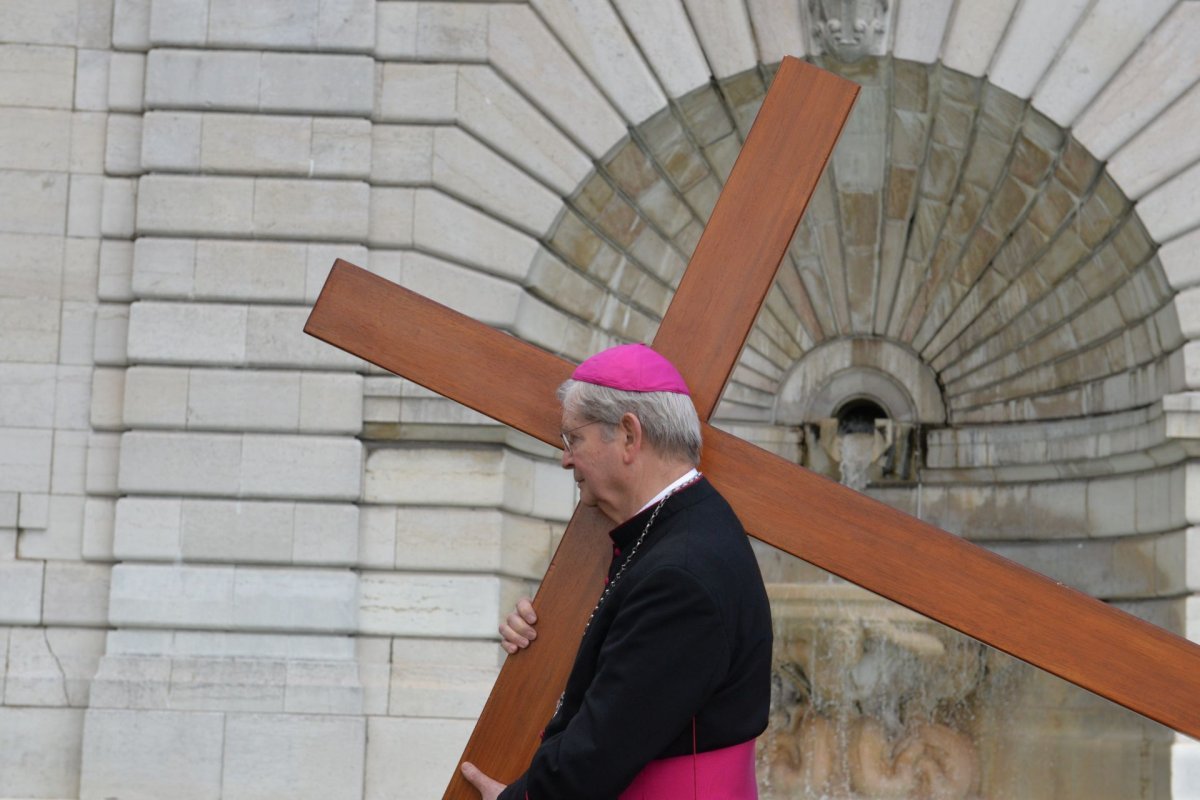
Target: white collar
(684, 479)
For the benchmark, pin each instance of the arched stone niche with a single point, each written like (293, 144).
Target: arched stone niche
(829, 375)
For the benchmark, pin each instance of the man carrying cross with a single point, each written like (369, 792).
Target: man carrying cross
(671, 683)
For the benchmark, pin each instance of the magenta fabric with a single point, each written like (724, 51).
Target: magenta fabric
(631, 368)
(726, 774)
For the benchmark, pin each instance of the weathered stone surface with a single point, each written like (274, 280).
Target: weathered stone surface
(152, 754)
(37, 76)
(677, 60)
(411, 756)
(1036, 33)
(441, 679)
(306, 755)
(920, 27)
(39, 751)
(421, 604)
(974, 34)
(21, 592)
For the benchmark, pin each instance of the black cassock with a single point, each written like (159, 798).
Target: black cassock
(684, 635)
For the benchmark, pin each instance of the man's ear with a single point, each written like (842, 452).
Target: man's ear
(629, 429)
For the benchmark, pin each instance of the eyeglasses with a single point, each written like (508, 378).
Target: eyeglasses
(566, 435)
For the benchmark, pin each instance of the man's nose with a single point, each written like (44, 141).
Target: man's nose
(567, 460)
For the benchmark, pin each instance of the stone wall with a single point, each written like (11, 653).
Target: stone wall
(235, 562)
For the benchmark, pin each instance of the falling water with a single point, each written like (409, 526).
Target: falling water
(857, 454)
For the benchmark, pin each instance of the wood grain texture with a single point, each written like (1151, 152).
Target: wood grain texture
(899, 557)
(964, 586)
(746, 238)
(441, 349)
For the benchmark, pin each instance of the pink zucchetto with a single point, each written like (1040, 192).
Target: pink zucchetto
(631, 368)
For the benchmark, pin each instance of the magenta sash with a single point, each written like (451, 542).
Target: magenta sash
(725, 774)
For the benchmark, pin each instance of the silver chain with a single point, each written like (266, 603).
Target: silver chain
(621, 571)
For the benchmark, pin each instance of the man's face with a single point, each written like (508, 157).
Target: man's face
(594, 462)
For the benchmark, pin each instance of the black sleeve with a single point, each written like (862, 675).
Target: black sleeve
(663, 654)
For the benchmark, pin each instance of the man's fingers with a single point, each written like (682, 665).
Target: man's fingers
(525, 609)
(488, 788)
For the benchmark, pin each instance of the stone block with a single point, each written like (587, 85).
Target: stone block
(114, 273)
(76, 335)
(170, 140)
(84, 206)
(156, 397)
(439, 678)
(151, 595)
(35, 139)
(255, 144)
(92, 79)
(377, 537)
(27, 395)
(325, 534)
(1170, 210)
(446, 227)
(725, 34)
(118, 208)
(401, 154)
(8, 552)
(62, 537)
(76, 594)
(323, 687)
(33, 202)
(521, 47)
(179, 22)
(496, 113)
(29, 330)
(330, 403)
(72, 397)
(302, 467)
(391, 217)
(1154, 503)
(396, 31)
(417, 604)
(112, 334)
(920, 28)
(491, 300)
(242, 400)
(8, 510)
(123, 145)
(1102, 42)
(131, 681)
(181, 333)
(52, 22)
(275, 338)
(195, 206)
(311, 209)
(33, 511)
(151, 754)
(466, 168)
(341, 148)
(293, 755)
(596, 36)
(1185, 768)
(131, 24)
(52, 666)
(676, 59)
(103, 461)
(25, 459)
(417, 93)
(39, 751)
(88, 134)
(37, 76)
(21, 592)
(68, 472)
(444, 32)
(249, 270)
(98, 522)
(214, 79)
(1144, 87)
(295, 600)
(317, 84)
(180, 463)
(412, 757)
(374, 666)
(19, 282)
(226, 684)
(126, 82)
(236, 531)
(435, 476)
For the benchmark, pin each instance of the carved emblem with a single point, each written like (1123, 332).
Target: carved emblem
(848, 30)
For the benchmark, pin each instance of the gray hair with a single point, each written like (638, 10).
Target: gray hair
(669, 420)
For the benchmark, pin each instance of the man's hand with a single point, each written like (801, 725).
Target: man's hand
(517, 629)
(488, 788)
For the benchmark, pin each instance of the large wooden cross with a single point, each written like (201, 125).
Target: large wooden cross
(934, 573)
